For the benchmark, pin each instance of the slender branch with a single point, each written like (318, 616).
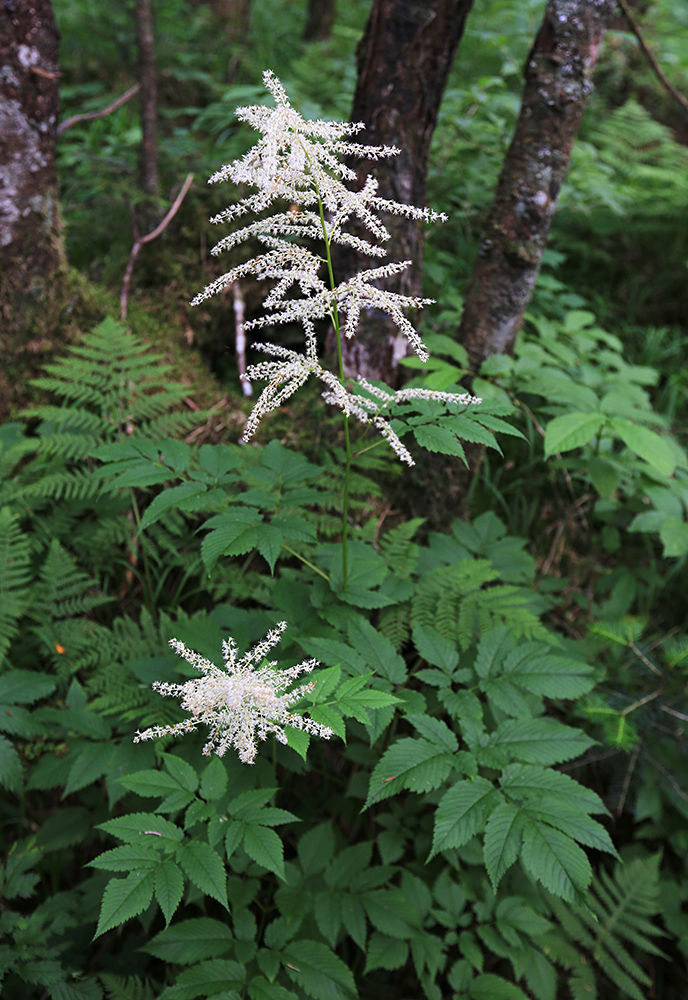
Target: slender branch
(140, 240)
(650, 56)
(240, 338)
(89, 116)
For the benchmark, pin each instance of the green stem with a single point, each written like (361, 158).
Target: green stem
(307, 562)
(334, 314)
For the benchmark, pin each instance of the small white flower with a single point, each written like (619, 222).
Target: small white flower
(239, 703)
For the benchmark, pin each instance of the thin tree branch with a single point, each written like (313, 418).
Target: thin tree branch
(89, 116)
(240, 338)
(140, 240)
(650, 56)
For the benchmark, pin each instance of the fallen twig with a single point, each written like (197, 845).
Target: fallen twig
(140, 240)
(651, 58)
(90, 115)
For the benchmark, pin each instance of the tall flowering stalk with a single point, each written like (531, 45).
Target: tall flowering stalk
(241, 702)
(298, 163)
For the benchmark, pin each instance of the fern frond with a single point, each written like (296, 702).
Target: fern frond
(15, 577)
(620, 911)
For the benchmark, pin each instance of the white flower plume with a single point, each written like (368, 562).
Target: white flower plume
(239, 703)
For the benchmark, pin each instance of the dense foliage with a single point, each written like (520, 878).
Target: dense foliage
(501, 809)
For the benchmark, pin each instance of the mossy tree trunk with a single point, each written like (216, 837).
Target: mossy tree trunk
(558, 75)
(404, 60)
(32, 257)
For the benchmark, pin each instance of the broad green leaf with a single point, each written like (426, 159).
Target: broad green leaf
(462, 812)
(555, 860)
(214, 780)
(24, 687)
(539, 741)
(378, 652)
(536, 669)
(130, 857)
(191, 941)
(390, 912)
(182, 772)
(674, 536)
(66, 827)
(205, 869)
(416, 765)
(123, 899)
(317, 971)
(78, 989)
(574, 823)
(172, 496)
(644, 442)
(219, 978)
(91, 763)
(169, 888)
(491, 987)
(540, 784)
(502, 840)
(158, 832)
(435, 649)
(262, 989)
(265, 847)
(571, 431)
(604, 476)
(439, 439)
(435, 731)
(150, 784)
(10, 766)
(249, 805)
(385, 952)
(232, 533)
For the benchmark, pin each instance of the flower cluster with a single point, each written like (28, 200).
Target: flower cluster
(239, 703)
(299, 163)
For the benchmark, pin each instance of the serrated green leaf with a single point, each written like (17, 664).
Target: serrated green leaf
(265, 846)
(10, 766)
(91, 763)
(502, 840)
(149, 784)
(385, 953)
(139, 857)
(573, 430)
(416, 765)
(221, 979)
(439, 439)
(191, 941)
(490, 987)
(644, 442)
(137, 826)
(172, 496)
(262, 989)
(377, 651)
(123, 899)
(169, 888)
(317, 971)
(462, 813)
(214, 780)
(555, 860)
(539, 741)
(435, 649)
(182, 772)
(205, 869)
(24, 687)
(77, 989)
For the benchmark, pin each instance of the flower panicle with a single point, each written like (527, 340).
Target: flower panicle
(241, 703)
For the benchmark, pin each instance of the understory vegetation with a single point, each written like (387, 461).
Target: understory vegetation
(487, 794)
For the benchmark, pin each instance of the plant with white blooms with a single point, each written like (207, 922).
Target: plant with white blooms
(298, 163)
(239, 703)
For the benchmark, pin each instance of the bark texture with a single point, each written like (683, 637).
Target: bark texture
(557, 86)
(145, 41)
(404, 60)
(32, 260)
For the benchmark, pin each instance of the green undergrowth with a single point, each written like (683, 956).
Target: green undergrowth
(492, 754)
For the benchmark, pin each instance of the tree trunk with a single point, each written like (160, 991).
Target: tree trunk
(319, 20)
(148, 96)
(32, 258)
(404, 60)
(558, 75)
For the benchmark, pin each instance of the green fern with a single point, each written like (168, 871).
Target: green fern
(15, 577)
(620, 908)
